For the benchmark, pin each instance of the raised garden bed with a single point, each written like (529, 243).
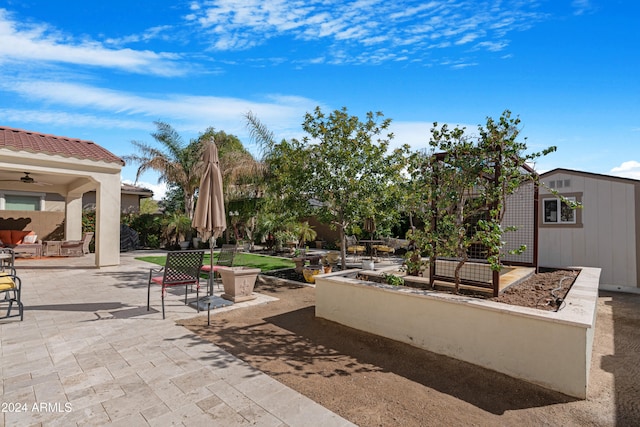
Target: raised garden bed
(552, 349)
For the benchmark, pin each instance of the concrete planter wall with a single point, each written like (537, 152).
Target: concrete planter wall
(551, 349)
(238, 283)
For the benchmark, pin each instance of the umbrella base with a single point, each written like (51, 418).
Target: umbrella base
(211, 302)
(238, 298)
(207, 303)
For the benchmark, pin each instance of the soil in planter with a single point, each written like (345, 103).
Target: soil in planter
(545, 290)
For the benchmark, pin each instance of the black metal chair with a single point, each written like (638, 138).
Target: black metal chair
(181, 268)
(10, 289)
(225, 259)
(7, 258)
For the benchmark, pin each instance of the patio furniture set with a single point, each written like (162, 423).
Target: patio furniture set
(184, 268)
(375, 247)
(25, 243)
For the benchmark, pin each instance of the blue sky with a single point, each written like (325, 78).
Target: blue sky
(105, 71)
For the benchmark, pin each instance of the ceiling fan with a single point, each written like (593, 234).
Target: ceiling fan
(27, 179)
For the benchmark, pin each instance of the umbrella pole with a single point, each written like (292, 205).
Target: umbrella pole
(211, 272)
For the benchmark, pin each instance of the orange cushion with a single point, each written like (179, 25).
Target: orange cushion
(5, 237)
(18, 235)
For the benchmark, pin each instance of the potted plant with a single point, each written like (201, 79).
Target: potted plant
(311, 271)
(238, 283)
(299, 260)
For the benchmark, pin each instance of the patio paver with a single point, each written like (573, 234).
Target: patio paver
(89, 353)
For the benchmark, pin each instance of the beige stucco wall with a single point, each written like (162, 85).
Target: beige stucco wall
(71, 178)
(546, 348)
(47, 225)
(607, 235)
(129, 203)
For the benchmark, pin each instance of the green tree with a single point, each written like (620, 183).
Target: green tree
(148, 206)
(243, 181)
(176, 162)
(344, 166)
(469, 180)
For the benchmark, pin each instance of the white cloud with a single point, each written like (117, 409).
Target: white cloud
(61, 118)
(581, 6)
(177, 105)
(187, 113)
(418, 134)
(42, 44)
(159, 190)
(356, 27)
(629, 169)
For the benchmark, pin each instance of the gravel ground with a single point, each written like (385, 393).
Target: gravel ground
(374, 381)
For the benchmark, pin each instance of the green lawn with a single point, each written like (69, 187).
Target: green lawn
(263, 262)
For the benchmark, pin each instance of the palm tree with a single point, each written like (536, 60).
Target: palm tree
(176, 162)
(241, 172)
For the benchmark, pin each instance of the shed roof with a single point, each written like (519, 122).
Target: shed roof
(35, 142)
(590, 175)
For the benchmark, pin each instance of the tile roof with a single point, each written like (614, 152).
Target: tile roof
(128, 188)
(34, 142)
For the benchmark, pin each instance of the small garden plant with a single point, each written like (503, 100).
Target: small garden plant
(393, 280)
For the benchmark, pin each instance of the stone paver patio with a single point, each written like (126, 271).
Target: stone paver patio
(89, 353)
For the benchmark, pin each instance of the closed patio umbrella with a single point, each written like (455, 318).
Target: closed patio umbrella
(209, 217)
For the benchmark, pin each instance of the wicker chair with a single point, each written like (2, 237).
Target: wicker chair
(181, 268)
(76, 247)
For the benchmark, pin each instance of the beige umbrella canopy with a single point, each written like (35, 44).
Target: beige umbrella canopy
(209, 217)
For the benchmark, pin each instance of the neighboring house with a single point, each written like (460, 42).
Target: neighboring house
(130, 198)
(43, 179)
(604, 233)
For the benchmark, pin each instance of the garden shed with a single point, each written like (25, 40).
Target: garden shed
(604, 233)
(43, 178)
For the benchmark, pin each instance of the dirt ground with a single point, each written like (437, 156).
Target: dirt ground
(374, 381)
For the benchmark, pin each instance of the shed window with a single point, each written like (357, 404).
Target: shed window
(557, 211)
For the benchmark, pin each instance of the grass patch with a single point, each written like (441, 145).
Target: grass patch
(263, 262)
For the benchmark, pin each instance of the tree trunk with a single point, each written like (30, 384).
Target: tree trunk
(456, 274)
(188, 206)
(343, 247)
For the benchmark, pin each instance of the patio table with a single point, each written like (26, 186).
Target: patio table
(369, 244)
(52, 248)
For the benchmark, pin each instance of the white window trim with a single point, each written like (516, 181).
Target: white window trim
(558, 210)
(41, 197)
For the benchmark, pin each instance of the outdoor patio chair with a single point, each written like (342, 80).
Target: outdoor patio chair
(76, 247)
(225, 259)
(385, 249)
(181, 268)
(10, 289)
(353, 248)
(7, 258)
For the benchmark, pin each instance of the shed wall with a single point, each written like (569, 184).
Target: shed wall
(605, 234)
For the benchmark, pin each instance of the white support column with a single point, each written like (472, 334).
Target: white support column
(73, 220)
(108, 220)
